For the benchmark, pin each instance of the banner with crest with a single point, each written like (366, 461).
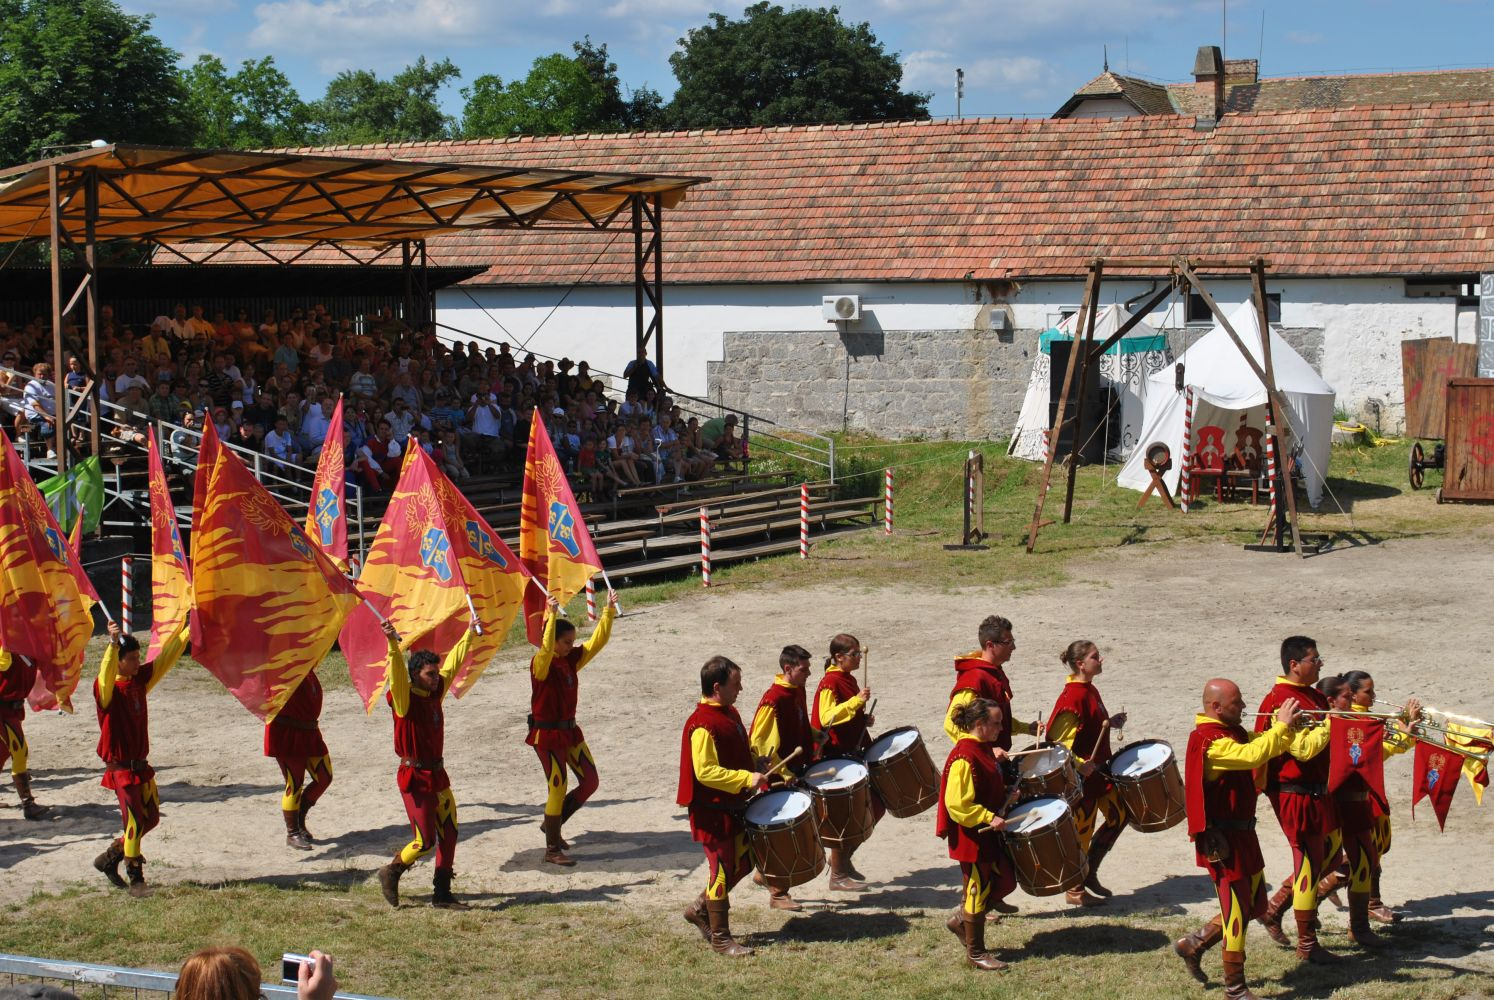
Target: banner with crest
(553, 541)
(170, 575)
(327, 515)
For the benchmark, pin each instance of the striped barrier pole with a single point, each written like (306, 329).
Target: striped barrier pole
(1184, 479)
(591, 600)
(887, 503)
(705, 547)
(1271, 459)
(803, 520)
(127, 592)
(969, 490)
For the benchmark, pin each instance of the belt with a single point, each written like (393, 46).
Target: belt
(1315, 791)
(126, 765)
(423, 765)
(562, 724)
(301, 724)
(1233, 824)
(13, 706)
(1353, 796)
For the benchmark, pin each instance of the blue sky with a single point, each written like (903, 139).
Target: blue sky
(1019, 58)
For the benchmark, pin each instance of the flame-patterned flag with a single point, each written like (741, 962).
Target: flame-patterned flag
(1435, 776)
(327, 515)
(553, 541)
(268, 604)
(208, 449)
(43, 613)
(1356, 747)
(170, 574)
(1479, 739)
(412, 576)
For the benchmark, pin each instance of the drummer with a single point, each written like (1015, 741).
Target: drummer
(840, 710)
(972, 797)
(980, 674)
(781, 727)
(1081, 723)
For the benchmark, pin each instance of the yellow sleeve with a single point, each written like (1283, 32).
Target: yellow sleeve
(540, 665)
(456, 657)
(1025, 728)
(708, 769)
(397, 676)
(599, 636)
(1064, 729)
(959, 797)
(763, 736)
(4, 661)
(834, 713)
(1397, 741)
(954, 732)
(108, 674)
(171, 651)
(1227, 755)
(1308, 743)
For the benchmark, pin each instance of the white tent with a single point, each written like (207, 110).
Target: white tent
(1227, 394)
(1125, 368)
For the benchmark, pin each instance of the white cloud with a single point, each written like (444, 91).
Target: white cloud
(353, 28)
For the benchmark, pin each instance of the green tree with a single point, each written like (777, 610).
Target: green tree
(255, 108)
(361, 108)
(776, 67)
(641, 110)
(72, 71)
(560, 95)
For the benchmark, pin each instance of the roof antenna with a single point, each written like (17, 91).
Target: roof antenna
(1260, 53)
(1107, 58)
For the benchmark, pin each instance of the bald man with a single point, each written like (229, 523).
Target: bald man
(1221, 796)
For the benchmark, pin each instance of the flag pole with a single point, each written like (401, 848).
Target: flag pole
(476, 622)
(611, 592)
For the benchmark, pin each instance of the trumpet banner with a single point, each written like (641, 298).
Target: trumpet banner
(1479, 739)
(1435, 775)
(1356, 747)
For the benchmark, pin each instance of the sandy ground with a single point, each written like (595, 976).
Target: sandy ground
(1415, 613)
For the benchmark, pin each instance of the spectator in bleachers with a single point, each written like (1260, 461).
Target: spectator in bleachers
(314, 428)
(281, 443)
(129, 375)
(131, 417)
(40, 412)
(378, 461)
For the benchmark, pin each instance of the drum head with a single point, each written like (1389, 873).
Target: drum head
(1050, 759)
(892, 744)
(1034, 814)
(835, 774)
(1141, 758)
(778, 807)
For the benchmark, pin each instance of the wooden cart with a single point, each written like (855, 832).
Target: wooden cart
(1426, 366)
(1469, 470)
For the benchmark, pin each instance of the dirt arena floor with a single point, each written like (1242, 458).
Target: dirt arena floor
(1415, 613)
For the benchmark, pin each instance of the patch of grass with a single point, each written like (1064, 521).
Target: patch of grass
(509, 948)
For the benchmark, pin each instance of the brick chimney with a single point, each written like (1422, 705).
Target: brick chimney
(1208, 81)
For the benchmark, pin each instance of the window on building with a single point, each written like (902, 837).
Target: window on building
(1197, 311)
(1463, 287)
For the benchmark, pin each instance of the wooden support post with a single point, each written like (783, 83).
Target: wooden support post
(1075, 444)
(1279, 409)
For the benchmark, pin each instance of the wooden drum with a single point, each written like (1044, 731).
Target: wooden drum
(843, 787)
(902, 773)
(783, 831)
(1043, 842)
(1146, 775)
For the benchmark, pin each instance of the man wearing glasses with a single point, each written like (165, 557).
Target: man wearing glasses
(980, 674)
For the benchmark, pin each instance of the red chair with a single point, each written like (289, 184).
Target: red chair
(1208, 459)
(1245, 463)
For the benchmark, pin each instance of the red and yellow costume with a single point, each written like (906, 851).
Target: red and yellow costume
(553, 732)
(124, 738)
(17, 677)
(971, 794)
(715, 783)
(1364, 818)
(1297, 785)
(419, 739)
(840, 712)
(976, 678)
(781, 726)
(294, 739)
(1079, 721)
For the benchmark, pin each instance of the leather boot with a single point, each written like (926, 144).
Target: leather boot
(695, 915)
(1359, 927)
(718, 912)
(389, 880)
(293, 835)
(108, 863)
(1308, 949)
(849, 867)
(1378, 911)
(956, 924)
(1191, 948)
(779, 899)
(567, 810)
(1081, 897)
(1092, 883)
(1275, 910)
(1330, 884)
(554, 851)
(975, 944)
(842, 877)
(135, 871)
(301, 823)
(1234, 977)
(442, 897)
(29, 806)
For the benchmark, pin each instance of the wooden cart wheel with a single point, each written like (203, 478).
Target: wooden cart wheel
(1417, 473)
(1439, 494)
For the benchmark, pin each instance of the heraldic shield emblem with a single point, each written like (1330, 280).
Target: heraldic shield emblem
(435, 550)
(563, 529)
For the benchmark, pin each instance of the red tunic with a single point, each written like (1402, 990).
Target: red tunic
(794, 731)
(987, 681)
(1300, 813)
(714, 814)
(16, 683)
(848, 737)
(1226, 803)
(420, 735)
(294, 731)
(124, 731)
(1082, 700)
(553, 701)
(965, 844)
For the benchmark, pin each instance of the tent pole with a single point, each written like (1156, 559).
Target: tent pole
(1081, 348)
(1262, 318)
(1090, 292)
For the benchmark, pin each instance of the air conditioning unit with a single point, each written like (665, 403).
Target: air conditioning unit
(841, 308)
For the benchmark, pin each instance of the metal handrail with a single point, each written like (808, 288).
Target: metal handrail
(124, 977)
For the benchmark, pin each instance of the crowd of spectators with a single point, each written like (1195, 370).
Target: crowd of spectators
(271, 387)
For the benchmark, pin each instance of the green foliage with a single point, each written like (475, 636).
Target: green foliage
(361, 108)
(255, 108)
(72, 71)
(777, 67)
(560, 95)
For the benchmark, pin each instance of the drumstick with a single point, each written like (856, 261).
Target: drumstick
(1103, 726)
(1010, 799)
(1119, 735)
(866, 665)
(872, 708)
(784, 763)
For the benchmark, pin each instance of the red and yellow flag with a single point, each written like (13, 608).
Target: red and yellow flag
(170, 575)
(268, 604)
(44, 614)
(1356, 747)
(412, 576)
(327, 515)
(1435, 776)
(208, 449)
(1479, 739)
(553, 541)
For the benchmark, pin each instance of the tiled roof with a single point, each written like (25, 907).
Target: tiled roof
(1307, 93)
(1145, 96)
(1362, 191)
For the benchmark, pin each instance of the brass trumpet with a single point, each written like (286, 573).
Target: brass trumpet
(1482, 758)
